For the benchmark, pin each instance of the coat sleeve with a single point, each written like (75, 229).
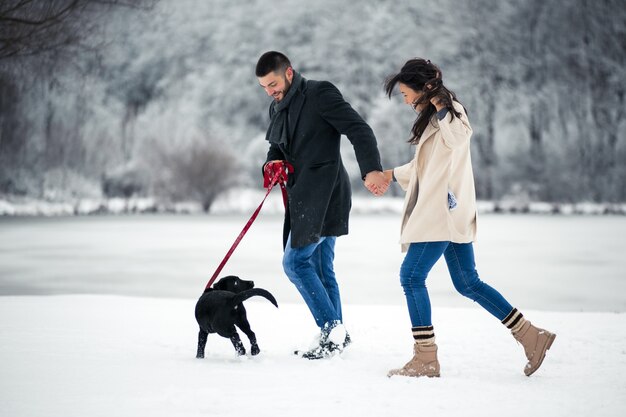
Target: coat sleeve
(403, 174)
(339, 114)
(455, 131)
(274, 153)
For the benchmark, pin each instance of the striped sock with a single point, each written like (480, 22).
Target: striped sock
(514, 321)
(424, 335)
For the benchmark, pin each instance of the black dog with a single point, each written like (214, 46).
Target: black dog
(220, 309)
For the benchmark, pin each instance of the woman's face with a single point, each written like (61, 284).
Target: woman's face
(411, 97)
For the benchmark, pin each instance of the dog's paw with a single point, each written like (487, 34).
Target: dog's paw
(200, 356)
(254, 350)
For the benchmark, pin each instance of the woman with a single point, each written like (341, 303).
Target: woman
(439, 218)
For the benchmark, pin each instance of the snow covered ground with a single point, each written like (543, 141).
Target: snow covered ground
(116, 335)
(244, 200)
(84, 355)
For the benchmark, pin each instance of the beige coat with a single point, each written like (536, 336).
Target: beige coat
(442, 162)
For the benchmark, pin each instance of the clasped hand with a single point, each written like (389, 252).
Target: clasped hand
(377, 182)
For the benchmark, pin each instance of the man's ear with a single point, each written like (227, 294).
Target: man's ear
(289, 74)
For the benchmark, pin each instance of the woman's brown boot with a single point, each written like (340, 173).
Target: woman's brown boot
(424, 363)
(536, 342)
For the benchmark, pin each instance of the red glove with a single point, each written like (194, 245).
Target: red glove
(282, 168)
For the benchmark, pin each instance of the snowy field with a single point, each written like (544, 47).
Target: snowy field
(115, 335)
(118, 356)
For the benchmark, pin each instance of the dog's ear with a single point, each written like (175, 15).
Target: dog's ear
(219, 284)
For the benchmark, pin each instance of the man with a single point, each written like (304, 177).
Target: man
(307, 121)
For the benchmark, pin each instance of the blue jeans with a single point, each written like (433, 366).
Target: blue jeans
(310, 268)
(418, 262)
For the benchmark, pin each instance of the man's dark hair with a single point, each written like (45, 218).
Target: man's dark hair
(272, 61)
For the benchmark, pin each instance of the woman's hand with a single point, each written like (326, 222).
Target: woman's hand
(376, 183)
(388, 173)
(439, 101)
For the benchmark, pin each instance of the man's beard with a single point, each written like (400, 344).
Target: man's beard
(285, 90)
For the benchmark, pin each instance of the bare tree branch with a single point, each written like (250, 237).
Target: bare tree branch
(46, 19)
(30, 28)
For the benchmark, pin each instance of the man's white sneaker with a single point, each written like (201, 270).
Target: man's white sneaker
(332, 339)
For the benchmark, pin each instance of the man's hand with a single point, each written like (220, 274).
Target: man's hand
(376, 183)
(270, 165)
(269, 171)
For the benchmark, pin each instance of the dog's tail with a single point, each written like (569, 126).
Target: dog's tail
(244, 295)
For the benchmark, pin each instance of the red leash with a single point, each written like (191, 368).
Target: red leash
(280, 170)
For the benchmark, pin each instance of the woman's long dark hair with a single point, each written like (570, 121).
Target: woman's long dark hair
(422, 75)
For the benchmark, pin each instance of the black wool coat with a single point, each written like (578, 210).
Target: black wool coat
(319, 188)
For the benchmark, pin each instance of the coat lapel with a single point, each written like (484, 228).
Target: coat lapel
(429, 131)
(295, 108)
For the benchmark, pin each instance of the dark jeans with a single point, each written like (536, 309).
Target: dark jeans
(310, 268)
(418, 262)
